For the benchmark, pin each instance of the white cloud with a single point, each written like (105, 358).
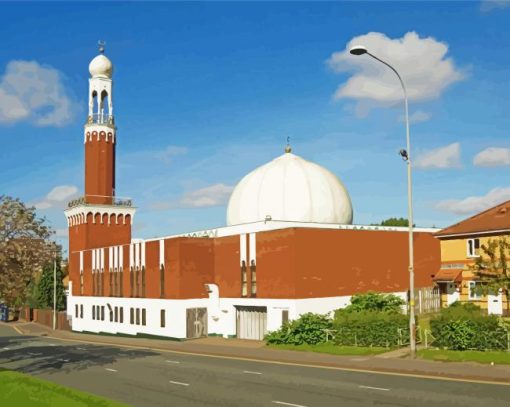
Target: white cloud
(489, 5)
(439, 158)
(63, 232)
(493, 157)
(421, 62)
(57, 197)
(34, 93)
(475, 204)
(417, 117)
(170, 152)
(213, 195)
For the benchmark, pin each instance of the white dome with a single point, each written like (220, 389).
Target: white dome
(101, 66)
(292, 189)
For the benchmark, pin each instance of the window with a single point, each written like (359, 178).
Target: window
(144, 321)
(121, 285)
(131, 316)
(285, 316)
(138, 316)
(473, 247)
(121, 315)
(102, 313)
(244, 282)
(474, 288)
(110, 309)
(101, 283)
(143, 281)
(162, 281)
(76, 310)
(93, 312)
(162, 317)
(81, 310)
(116, 314)
(253, 272)
(110, 273)
(81, 282)
(131, 282)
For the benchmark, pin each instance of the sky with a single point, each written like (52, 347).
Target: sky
(206, 92)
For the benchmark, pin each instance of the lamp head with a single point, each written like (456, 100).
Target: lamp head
(358, 50)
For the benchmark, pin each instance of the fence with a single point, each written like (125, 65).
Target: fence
(427, 339)
(426, 300)
(45, 317)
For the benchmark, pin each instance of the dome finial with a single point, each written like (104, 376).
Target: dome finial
(288, 149)
(101, 44)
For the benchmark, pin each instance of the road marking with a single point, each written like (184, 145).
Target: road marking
(63, 360)
(6, 348)
(173, 361)
(283, 403)
(179, 383)
(34, 354)
(374, 388)
(18, 330)
(276, 362)
(51, 344)
(110, 370)
(81, 348)
(250, 372)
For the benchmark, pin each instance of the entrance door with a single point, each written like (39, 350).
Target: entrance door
(495, 304)
(251, 322)
(196, 322)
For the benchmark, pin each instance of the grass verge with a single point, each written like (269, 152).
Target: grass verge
(18, 389)
(497, 357)
(332, 349)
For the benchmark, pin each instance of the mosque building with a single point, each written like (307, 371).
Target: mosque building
(289, 247)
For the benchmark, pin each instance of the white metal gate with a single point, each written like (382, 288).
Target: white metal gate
(495, 304)
(251, 322)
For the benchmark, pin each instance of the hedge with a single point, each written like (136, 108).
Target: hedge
(308, 328)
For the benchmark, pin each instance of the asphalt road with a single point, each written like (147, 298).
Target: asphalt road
(149, 378)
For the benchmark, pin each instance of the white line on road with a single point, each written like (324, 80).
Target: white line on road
(63, 360)
(110, 370)
(34, 354)
(6, 348)
(283, 403)
(173, 361)
(374, 388)
(81, 348)
(51, 344)
(179, 383)
(250, 372)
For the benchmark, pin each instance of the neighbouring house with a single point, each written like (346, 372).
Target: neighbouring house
(461, 245)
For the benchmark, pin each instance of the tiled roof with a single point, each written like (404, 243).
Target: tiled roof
(494, 219)
(448, 275)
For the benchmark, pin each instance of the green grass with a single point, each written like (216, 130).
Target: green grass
(332, 349)
(497, 357)
(18, 389)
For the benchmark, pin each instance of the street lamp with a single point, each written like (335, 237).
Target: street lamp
(406, 155)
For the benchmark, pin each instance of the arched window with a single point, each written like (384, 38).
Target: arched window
(253, 278)
(244, 280)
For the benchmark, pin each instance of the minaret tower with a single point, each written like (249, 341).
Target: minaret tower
(98, 218)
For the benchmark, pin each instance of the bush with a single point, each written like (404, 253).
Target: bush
(463, 327)
(372, 301)
(370, 328)
(308, 328)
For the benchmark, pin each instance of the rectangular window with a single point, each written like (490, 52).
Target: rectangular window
(131, 282)
(76, 310)
(121, 315)
(131, 316)
(110, 289)
(162, 281)
(116, 314)
(244, 280)
(138, 316)
(93, 312)
(253, 272)
(285, 316)
(144, 321)
(81, 282)
(473, 247)
(474, 294)
(102, 313)
(162, 317)
(81, 310)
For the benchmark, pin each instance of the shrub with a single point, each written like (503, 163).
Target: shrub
(372, 301)
(370, 328)
(308, 328)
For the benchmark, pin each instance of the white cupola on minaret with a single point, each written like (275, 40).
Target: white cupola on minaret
(100, 89)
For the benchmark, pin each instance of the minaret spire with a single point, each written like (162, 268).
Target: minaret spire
(101, 45)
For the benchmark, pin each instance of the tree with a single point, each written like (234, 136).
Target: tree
(402, 222)
(492, 269)
(24, 248)
(372, 301)
(45, 287)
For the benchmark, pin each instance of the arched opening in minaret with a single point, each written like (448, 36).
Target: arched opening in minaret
(104, 108)
(93, 106)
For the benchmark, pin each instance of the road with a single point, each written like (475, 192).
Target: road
(152, 378)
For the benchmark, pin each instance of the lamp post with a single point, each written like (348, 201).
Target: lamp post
(406, 155)
(55, 291)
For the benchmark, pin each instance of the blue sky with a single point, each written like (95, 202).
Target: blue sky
(206, 92)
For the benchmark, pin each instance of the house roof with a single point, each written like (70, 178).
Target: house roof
(448, 275)
(491, 221)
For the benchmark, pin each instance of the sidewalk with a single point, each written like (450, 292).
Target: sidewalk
(392, 362)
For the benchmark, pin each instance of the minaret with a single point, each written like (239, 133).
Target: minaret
(98, 219)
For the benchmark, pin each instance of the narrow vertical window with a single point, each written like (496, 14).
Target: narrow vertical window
(131, 282)
(143, 281)
(285, 316)
(144, 321)
(93, 312)
(81, 310)
(137, 282)
(102, 313)
(162, 317)
(81, 282)
(93, 283)
(253, 273)
(131, 316)
(110, 289)
(116, 314)
(121, 285)
(102, 282)
(244, 281)
(138, 316)
(76, 310)
(121, 314)
(162, 281)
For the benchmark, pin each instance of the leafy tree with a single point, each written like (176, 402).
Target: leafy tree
(393, 222)
(46, 285)
(492, 268)
(309, 328)
(372, 301)
(24, 248)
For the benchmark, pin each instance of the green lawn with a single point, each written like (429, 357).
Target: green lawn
(18, 389)
(497, 357)
(332, 349)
